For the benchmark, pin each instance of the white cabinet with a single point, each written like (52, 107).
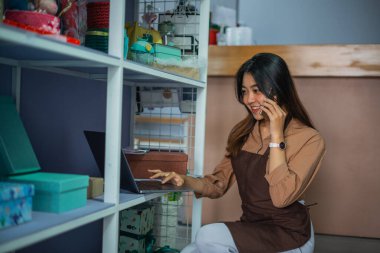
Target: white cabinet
(21, 49)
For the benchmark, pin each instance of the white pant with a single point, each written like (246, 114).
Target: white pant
(216, 238)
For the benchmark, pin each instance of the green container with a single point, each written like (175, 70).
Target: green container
(56, 192)
(16, 151)
(167, 52)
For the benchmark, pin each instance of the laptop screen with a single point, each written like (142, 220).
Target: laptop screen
(97, 141)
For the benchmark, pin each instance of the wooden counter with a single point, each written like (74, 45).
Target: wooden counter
(303, 60)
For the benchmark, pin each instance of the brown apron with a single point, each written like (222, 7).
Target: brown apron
(264, 227)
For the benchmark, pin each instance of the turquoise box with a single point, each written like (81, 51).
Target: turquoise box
(16, 151)
(15, 203)
(164, 52)
(18, 163)
(56, 192)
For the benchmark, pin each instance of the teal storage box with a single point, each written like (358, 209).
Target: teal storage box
(56, 192)
(15, 203)
(53, 192)
(163, 52)
(16, 152)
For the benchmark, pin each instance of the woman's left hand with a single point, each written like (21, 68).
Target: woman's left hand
(277, 118)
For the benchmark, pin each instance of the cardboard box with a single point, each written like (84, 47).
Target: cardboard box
(95, 187)
(154, 160)
(56, 192)
(15, 203)
(137, 220)
(130, 244)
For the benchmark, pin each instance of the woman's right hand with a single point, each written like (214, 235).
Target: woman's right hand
(171, 177)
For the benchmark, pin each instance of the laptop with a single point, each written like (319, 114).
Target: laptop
(96, 141)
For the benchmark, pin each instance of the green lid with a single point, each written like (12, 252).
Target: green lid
(53, 182)
(16, 151)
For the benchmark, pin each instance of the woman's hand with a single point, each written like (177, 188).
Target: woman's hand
(277, 119)
(171, 177)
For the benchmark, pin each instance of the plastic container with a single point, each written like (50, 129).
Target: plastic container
(142, 57)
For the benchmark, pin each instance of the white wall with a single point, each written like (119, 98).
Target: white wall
(312, 21)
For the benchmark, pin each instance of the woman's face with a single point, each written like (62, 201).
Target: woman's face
(253, 98)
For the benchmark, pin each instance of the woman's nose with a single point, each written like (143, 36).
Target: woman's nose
(251, 97)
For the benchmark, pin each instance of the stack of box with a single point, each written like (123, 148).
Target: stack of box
(98, 25)
(136, 225)
(54, 192)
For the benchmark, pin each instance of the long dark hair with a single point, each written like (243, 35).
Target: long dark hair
(273, 78)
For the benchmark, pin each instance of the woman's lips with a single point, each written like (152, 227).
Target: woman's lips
(256, 109)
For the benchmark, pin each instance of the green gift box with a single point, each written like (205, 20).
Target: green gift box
(54, 192)
(164, 52)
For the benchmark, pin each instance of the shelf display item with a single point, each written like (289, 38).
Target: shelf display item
(165, 52)
(154, 160)
(56, 192)
(166, 219)
(40, 21)
(136, 244)
(48, 6)
(15, 203)
(135, 31)
(95, 187)
(98, 15)
(98, 26)
(97, 39)
(142, 51)
(74, 18)
(16, 151)
(137, 220)
(136, 225)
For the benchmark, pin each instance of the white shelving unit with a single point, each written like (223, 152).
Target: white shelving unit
(21, 49)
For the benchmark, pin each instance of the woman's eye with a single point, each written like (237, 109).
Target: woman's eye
(243, 92)
(255, 91)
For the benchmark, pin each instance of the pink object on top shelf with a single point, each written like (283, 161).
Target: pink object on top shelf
(41, 21)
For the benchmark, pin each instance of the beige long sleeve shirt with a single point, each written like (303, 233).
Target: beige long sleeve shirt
(304, 152)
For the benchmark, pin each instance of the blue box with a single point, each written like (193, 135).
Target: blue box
(56, 192)
(15, 203)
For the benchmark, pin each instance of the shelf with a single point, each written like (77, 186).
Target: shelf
(20, 45)
(46, 225)
(128, 200)
(140, 73)
(30, 50)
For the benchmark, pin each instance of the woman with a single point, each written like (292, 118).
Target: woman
(273, 154)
